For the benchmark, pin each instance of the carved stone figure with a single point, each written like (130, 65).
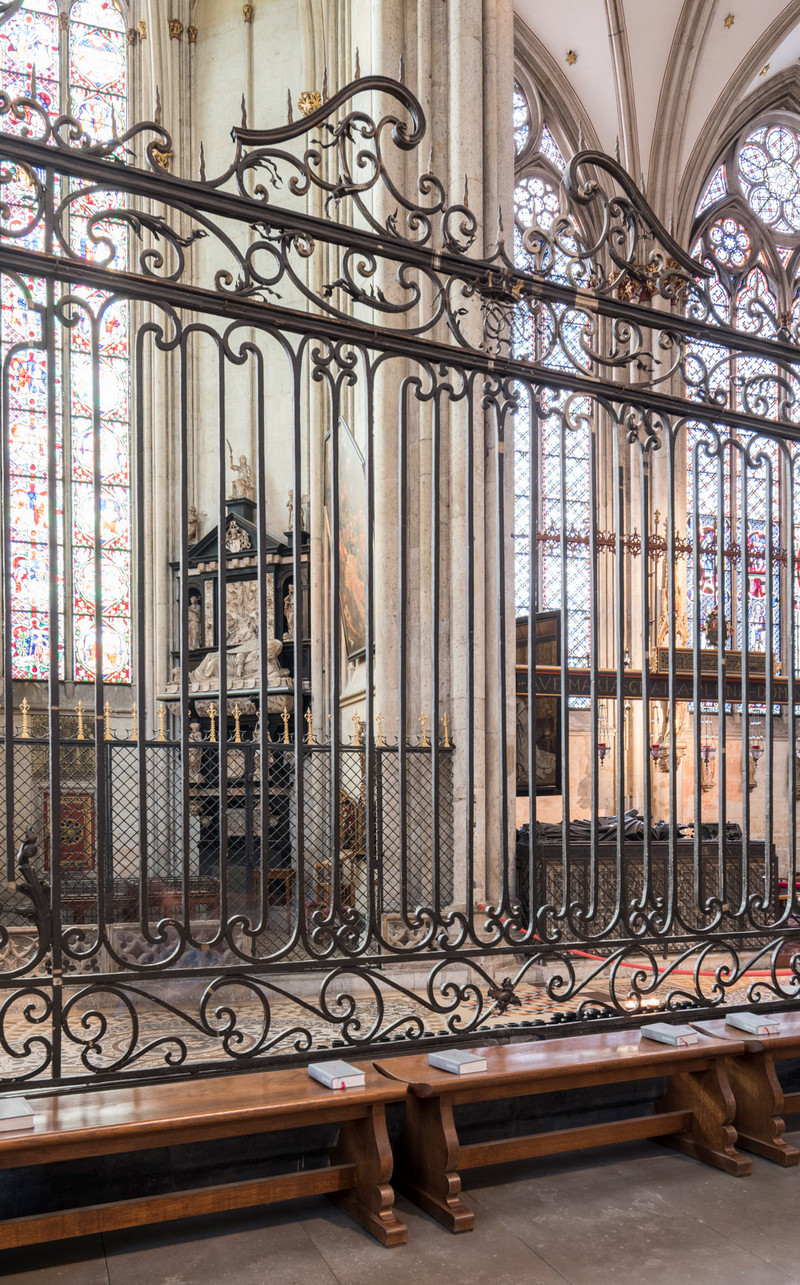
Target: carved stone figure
(193, 525)
(288, 611)
(195, 756)
(195, 628)
(244, 485)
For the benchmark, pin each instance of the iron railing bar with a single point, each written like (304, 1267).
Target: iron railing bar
(263, 315)
(189, 196)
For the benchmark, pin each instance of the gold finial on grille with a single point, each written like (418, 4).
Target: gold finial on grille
(446, 726)
(107, 720)
(212, 714)
(309, 720)
(379, 721)
(424, 725)
(237, 729)
(162, 718)
(285, 717)
(25, 710)
(79, 712)
(135, 722)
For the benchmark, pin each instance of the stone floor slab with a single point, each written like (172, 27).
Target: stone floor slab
(489, 1255)
(597, 1223)
(67, 1262)
(268, 1246)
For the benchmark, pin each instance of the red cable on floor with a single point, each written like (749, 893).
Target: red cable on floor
(677, 972)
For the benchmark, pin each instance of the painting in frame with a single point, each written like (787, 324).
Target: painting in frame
(352, 537)
(547, 625)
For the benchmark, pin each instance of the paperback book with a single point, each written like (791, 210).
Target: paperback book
(754, 1023)
(15, 1113)
(337, 1075)
(666, 1033)
(457, 1062)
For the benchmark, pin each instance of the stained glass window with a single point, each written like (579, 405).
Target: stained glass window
(562, 498)
(522, 119)
(79, 52)
(715, 191)
(744, 291)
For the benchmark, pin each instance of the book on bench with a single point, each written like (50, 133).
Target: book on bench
(337, 1075)
(457, 1062)
(754, 1023)
(15, 1113)
(666, 1033)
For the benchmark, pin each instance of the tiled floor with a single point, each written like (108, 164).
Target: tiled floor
(619, 1216)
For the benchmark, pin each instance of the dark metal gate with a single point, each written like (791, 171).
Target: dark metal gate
(294, 826)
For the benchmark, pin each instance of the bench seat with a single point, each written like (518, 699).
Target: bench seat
(695, 1116)
(760, 1101)
(99, 1122)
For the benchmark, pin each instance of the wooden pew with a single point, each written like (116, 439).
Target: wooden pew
(101, 1122)
(694, 1116)
(760, 1100)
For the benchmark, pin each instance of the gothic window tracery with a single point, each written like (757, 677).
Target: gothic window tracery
(563, 449)
(747, 232)
(78, 51)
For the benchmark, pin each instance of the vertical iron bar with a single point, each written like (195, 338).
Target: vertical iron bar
(534, 476)
(373, 922)
(53, 685)
(436, 413)
(594, 662)
(138, 528)
(769, 748)
(745, 627)
(564, 631)
(222, 642)
(335, 907)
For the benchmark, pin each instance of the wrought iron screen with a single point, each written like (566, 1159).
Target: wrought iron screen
(276, 839)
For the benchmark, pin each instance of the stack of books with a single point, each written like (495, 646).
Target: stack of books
(337, 1075)
(666, 1033)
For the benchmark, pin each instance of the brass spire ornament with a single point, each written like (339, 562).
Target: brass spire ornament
(107, 720)
(379, 721)
(285, 717)
(424, 725)
(212, 714)
(79, 712)
(25, 710)
(162, 717)
(237, 733)
(446, 731)
(134, 722)
(310, 734)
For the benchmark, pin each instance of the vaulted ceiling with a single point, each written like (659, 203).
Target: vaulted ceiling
(672, 80)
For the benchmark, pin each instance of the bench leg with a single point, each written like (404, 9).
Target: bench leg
(365, 1144)
(759, 1104)
(711, 1135)
(427, 1169)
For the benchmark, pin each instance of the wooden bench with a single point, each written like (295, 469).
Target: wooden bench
(694, 1116)
(103, 1122)
(760, 1100)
